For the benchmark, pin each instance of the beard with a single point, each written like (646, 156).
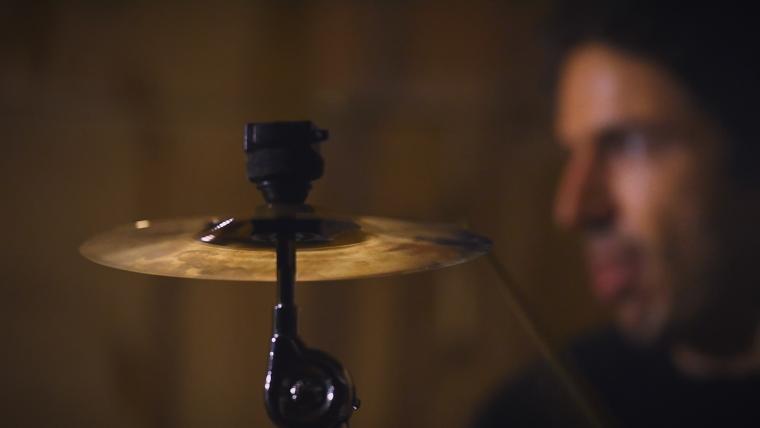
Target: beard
(714, 287)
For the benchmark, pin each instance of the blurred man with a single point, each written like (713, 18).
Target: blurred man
(657, 108)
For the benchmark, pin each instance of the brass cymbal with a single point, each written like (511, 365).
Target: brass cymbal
(241, 248)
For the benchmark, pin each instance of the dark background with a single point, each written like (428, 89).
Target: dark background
(116, 111)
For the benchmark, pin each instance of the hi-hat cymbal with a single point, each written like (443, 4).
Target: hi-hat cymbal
(241, 249)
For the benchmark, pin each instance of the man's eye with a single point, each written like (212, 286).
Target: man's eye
(626, 144)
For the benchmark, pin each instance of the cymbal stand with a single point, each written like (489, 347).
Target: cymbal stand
(304, 388)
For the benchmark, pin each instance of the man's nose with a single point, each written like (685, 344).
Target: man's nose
(583, 199)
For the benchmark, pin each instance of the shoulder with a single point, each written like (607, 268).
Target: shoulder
(535, 396)
(532, 398)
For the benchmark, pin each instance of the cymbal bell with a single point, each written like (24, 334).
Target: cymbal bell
(329, 247)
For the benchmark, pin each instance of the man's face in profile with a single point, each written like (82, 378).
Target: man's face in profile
(642, 183)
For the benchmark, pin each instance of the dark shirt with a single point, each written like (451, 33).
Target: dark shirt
(631, 387)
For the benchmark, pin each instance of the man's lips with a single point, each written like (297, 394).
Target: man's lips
(613, 266)
(610, 280)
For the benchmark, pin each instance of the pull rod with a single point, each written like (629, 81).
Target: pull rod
(519, 308)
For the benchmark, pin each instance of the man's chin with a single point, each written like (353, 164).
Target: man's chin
(640, 325)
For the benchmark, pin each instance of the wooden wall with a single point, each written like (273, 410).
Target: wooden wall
(113, 111)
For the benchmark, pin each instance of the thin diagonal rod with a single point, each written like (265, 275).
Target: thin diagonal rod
(517, 305)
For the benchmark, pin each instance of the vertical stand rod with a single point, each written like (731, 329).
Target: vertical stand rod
(285, 318)
(286, 270)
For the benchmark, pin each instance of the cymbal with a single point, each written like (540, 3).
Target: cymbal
(241, 248)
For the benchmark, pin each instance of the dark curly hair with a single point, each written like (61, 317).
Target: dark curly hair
(712, 47)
